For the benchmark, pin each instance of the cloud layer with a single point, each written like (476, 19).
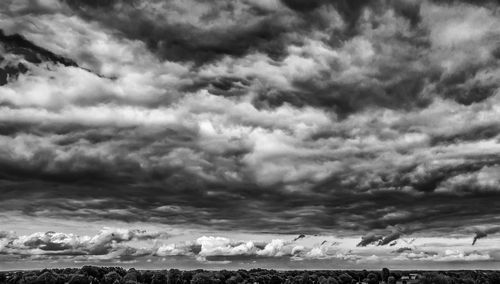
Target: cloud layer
(136, 246)
(349, 117)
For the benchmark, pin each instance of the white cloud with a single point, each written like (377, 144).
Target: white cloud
(174, 249)
(213, 246)
(127, 244)
(105, 242)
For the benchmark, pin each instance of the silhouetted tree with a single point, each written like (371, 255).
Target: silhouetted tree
(203, 278)
(372, 278)
(329, 280)
(46, 277)
(187, 276)
(385, 274)
(159, 278)
(345, 278)
(147, 276)
(117, 275)
(132, 276)
(96, 272)
(275, 279)
(174, 276)
(79, 279)
(111, 277)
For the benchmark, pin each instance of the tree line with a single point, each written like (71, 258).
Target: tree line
(118, 275)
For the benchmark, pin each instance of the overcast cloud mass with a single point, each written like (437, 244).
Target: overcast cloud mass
(275, 133)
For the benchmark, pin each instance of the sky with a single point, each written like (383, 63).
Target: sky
(284, 134)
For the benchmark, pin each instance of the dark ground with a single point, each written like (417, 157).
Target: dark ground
(118, 275)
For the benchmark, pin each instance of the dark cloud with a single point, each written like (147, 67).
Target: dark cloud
(484, 232)
(99, 3)
(381, 238)
(479, 2)
(394, 80)
(404, 249)
(182, 41)
(465, 87)
(398, 82)
(479, 235)
(19, 45)
(389, 238)
(303, 6)
(479, 132)
(369, 239)
(349, 10)
(301, 236)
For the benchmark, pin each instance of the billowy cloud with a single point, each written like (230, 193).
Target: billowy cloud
(106, 242)
(129, 245)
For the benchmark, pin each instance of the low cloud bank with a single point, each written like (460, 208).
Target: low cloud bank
(130, 245)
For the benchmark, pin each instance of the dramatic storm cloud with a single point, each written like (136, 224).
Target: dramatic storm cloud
(368, 121)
